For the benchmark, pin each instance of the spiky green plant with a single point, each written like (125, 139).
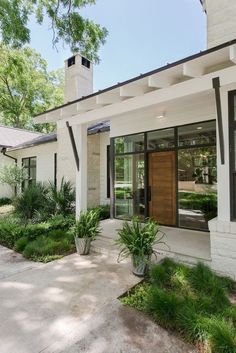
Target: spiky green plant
(138, 238)
(61, 200)
(88, 225)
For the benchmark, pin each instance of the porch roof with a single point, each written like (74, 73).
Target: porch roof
(183, 72)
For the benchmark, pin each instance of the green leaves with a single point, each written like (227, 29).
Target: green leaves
(87, 225)
(67, 24)
(138, 238)
(26, 88)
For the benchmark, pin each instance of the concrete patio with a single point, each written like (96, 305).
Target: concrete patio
(184, 244)
(70, 305)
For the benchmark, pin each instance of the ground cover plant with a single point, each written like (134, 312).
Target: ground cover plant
(45, 241)
(193, 302)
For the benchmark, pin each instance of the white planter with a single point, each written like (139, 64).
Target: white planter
(140, 265)
(83, 245)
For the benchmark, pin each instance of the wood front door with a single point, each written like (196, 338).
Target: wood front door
(162, 187)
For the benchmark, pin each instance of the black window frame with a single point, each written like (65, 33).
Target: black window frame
(232, 166)
(146, 152)
(28, 168)
(108, 171)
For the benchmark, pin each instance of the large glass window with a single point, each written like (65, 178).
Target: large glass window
(29, 164)
(197, 134)
(197, 187)
(129, 186)
(196, 172)
(131, 143)
(161, 139)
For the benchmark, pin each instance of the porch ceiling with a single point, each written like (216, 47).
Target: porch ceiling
(190, 76)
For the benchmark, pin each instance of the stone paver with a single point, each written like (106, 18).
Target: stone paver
(70, 305)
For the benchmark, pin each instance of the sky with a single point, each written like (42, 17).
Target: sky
(143, 35)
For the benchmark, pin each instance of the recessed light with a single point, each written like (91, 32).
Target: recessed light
(199, 128)
(160, 116)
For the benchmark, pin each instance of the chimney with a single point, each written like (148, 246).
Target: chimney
(221, 24)
(78, 78)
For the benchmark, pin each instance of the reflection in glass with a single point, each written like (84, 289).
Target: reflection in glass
(129, 186)
(197, 187)
(130, 143)
(197, 134)
(161, 139)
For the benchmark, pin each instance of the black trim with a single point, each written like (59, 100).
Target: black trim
(136, 78)
(72, 139)
(3, 151)
(232, 157)
(146, 153)
(112, 176)
(216, 86)
(108, 172)
(28, 169)
(55, 170)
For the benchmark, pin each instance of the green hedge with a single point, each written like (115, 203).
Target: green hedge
(38, 240)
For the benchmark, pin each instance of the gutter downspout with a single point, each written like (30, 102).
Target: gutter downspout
(3, 151)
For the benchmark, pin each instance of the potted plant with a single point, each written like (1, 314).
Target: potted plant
(137, 238)
(86, 230)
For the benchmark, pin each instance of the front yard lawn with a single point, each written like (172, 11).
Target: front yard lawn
(193, 302)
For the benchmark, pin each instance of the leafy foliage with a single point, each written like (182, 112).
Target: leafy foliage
(138, 238)
(103, 210)
(61, 201)
(67, 24)
(88, 225)
(12, 175)
(32, 200)
(26, 87)
(40, 242)
(192, 301)
(5, 201)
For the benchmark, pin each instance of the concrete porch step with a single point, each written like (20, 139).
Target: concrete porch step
(106, 245)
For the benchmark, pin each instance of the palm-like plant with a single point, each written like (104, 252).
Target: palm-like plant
(61, 200)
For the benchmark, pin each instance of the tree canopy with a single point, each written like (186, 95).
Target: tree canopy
(67, 24)
(26, 87)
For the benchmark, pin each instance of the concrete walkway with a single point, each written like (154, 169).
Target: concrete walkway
(70, 306)
(12, 263)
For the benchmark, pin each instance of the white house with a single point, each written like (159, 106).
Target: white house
(172, 138)
(10, 137)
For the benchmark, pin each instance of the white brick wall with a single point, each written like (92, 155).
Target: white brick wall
(223, 246)
(5, 190)
(45, 159)
(221, 25)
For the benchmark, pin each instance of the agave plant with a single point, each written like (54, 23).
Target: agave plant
(137, 238)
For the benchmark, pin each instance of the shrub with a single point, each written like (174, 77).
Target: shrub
(20, 244)
(10, 232)
(33, 199)
(45, 246)
(5, 201)
(61, 201)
